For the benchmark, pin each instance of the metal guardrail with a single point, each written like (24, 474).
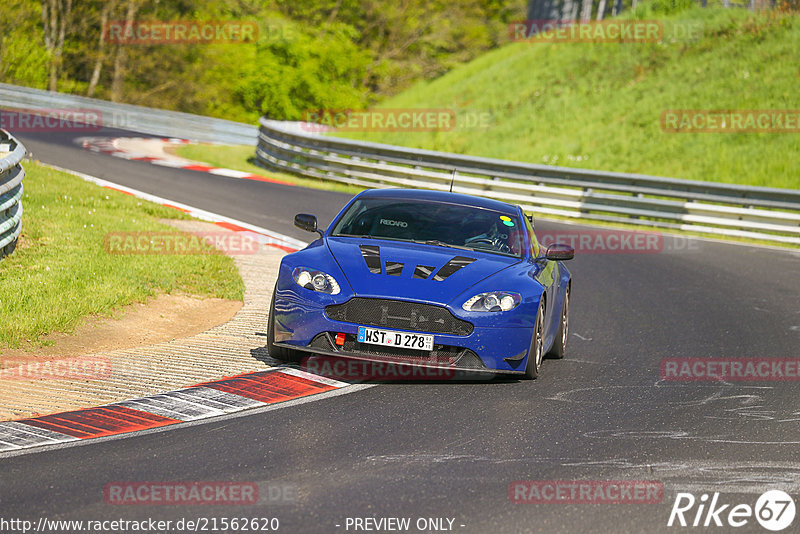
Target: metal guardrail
(11, 175)
(128, 117)
(706, 207)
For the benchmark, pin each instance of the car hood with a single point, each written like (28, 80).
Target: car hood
(394, 269)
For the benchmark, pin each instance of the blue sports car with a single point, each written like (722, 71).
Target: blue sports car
(425, 277)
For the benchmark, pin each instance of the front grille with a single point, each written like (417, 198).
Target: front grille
(399, 314)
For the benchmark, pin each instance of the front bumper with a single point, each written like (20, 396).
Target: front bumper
(303, 327)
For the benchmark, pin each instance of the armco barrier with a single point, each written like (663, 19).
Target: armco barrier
(11, 175)
(128, 117)
(706, 207)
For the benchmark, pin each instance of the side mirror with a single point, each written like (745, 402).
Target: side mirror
(306, 221)
(559, 252)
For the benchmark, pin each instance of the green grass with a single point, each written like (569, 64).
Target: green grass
(242, 157)
(598, 105)
(61, 273)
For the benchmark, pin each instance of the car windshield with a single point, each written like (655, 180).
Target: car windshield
(433, 223)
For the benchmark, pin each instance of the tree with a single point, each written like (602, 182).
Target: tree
(56, 18)
(105, 13)
(586, 11)
(120, 59)
(601, 10)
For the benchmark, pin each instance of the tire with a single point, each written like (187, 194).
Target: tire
(560, 342)
(277, 353)
(536, 352)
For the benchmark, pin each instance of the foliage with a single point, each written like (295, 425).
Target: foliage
(308, 54)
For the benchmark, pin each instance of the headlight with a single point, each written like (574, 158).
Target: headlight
(494, 301)
(315, 280)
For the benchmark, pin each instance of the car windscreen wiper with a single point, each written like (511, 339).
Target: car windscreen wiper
(366, 236)
(434, 242)
(438, 243)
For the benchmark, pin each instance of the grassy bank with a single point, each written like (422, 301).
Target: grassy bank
(61, 272)
(598, 105)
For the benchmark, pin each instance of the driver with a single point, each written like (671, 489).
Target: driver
(479, 229)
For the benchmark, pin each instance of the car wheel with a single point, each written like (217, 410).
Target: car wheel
(278, 353)
(536, 352)
(560, 342)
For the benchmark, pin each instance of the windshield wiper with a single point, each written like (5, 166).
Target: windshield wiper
(371, 237)
(438, 243)
(354, 235)
(434, 242)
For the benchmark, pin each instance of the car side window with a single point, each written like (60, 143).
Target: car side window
(535, 248)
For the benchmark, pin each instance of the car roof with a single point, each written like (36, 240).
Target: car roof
(441, 196)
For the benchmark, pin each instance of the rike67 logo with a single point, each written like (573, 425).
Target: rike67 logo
(774, 510)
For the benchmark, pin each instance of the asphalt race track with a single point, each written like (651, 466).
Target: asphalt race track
(451, 450)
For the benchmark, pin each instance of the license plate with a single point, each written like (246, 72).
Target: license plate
(390, 338)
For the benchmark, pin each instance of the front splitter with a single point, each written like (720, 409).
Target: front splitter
(350, 367)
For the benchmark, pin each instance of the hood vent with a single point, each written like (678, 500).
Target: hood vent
(372, 256)
(394, 268)
(423, 271)
(452, 266)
